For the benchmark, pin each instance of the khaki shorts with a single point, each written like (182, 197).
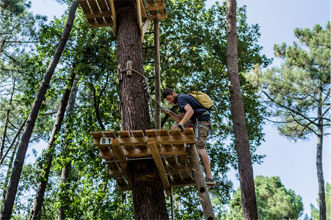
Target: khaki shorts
(203, 130)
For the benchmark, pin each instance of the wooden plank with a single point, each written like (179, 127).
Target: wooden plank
(121, 159)
(129, 145)
(116, 172)
(103, 148)
(93, 5)
(157, 73)
(160, 16)
(103, 5)
(143, 11)
(152, 133)
(139, 20)
(139, 133)
(124, 187)
(201, 184)
(97, 134)
(153, 12)
(112, 8)
(145, 26)
(96, 25)
(182, 158)
(182, 183)
(112, 165)
(86, 9)
(154, 6)
(108, 155)
(110, 134)
(177, 168)
(188, 131)
(109, 20)
(171, 160)
(159, 165)
(98, 14)
(162, 11)
(124, 134)
(164, 140)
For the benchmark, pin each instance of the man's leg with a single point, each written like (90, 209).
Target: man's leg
(205, 161)
(201, 143)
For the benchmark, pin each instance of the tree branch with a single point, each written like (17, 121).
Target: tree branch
(291, 110)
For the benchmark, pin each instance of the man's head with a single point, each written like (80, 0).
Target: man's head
(170, 95)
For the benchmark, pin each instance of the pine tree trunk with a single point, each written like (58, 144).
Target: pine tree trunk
(248, 201)
(19, 161)
(147, 189)
(13, 142)
(319, 164)
(39, 198)
(65, 181)
(9, 172)
(3, 139)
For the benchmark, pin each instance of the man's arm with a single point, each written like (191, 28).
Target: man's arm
(188, 114)
(177, 118)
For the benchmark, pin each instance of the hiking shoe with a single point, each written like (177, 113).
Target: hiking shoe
(210, 182)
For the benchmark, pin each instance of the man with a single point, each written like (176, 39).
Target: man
(191, 110)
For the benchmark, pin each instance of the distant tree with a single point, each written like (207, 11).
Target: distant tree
(299, 91)
(274, 201)
(315, 212)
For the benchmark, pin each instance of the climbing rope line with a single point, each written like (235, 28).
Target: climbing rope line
(148, 90)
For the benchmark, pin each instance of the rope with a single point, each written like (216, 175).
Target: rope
(148, 90)
(189, 173)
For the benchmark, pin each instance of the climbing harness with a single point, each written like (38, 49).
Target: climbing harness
(197, 125)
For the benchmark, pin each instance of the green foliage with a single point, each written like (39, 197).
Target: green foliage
(299, 90)
(193, 57)
(274, 201)
(315, 214)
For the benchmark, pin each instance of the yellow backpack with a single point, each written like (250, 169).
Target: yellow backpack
(203, 98)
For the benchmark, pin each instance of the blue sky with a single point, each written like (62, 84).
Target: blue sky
(294, 163)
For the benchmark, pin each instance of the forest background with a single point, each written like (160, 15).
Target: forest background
(293, 162)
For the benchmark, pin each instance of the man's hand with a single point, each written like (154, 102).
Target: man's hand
(166, 110)
(180, 127)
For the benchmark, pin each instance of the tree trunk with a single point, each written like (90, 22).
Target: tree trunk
(319, 165)
(65, 181)
(39, 198)
(248, 201)
(6, 121)
(19, 161)
(9, 172)
(147, 189)
(13, 142)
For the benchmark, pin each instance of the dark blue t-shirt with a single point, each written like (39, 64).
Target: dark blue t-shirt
(198, 109)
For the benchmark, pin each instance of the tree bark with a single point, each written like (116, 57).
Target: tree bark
(319, 164)
(65, 181)
(147, 189)
(19, 161)
(39, 198)
(9, 172)
(13, 142)
(248, 201)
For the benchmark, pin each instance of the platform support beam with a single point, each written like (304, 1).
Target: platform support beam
(157, 73)
(121, 159)
(201, 184)
(159, 165)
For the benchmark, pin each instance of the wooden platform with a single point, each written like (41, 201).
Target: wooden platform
(101, 13)
(168, 151)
